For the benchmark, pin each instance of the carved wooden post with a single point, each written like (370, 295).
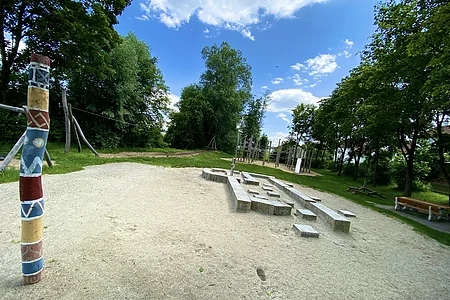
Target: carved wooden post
(31, 194)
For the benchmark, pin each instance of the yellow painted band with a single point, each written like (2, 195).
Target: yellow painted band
(31, 230)
(37, 98)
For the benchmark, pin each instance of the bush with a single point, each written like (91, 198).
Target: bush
(398, 173)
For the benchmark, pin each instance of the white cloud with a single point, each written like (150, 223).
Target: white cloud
(312, 85)
(246, 33)
(283, 117)
(298, 80)
(298, 66)
(233, 15)
(285, 100)
(264, 87)
(277, 80)
(173, 100)
(275, 137)
(349, 44)
(322, 64)
(206, 30)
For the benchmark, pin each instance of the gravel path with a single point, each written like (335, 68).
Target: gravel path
(132, 231)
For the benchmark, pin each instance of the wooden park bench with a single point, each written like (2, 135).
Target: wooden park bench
(432, 209)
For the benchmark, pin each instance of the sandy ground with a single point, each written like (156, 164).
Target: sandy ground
(132, 231)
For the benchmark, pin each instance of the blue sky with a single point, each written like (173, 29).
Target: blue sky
(298, 49)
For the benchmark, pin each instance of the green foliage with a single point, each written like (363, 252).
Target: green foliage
(132, 98)
(74, 34)
(212, 108)
(254, 112)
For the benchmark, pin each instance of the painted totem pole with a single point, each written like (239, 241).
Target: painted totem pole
(31, 194)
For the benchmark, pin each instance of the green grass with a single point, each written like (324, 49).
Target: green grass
(329, 182)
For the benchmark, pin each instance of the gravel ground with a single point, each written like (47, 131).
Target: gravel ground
(132, 231)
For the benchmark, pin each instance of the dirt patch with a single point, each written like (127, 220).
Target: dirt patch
(134, 231)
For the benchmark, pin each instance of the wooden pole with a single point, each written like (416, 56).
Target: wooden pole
(30, 184)
(13, 152)
(75, 132)
(48, 159)
(277, 162)
(67, 121)
(270, 149)
(12, 108)
(84, 138)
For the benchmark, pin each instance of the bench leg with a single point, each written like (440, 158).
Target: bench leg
(396, 203)
(430, 215)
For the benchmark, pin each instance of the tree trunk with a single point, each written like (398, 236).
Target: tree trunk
(361, 145)
(440, 145)
(409, 177)
(375, 164)
(341, 164)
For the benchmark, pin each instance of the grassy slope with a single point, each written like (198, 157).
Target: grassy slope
(329, 182)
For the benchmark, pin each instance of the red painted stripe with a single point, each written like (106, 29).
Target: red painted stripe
(40, 59)
(30, 188)
(38, 119)
(31, 252)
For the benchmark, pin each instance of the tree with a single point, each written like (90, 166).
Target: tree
(405, 75)
(71, 33)
(133, 98)
(216, 104)
(187, 127)
(254, 115)
(226, 85)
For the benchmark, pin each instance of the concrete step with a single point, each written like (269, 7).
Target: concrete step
(273, 194)
(336, 221)
(248, 179)
(262, 206)
(253, 191)
(266, 188)
(281, 209)
(346, 213)
(317, 199)
(306, 214)
(261, 197)
(306, 230)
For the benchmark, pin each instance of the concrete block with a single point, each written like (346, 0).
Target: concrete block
(262, 206)
(268, 185)
(335, 220)
(266, 188)
(273, 194)
(248, 179)
(253, 191)
(306, 214)
(261, 197)
(306, 230)
(288, 202)
(346, 213)
(317, 199)
(281, 209)
(240, 197)
(289, 184)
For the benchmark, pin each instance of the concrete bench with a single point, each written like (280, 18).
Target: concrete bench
(266, 188)
(306, 231)
(432, 209)
(242, 202)
(337, 222)
(248, 179)
(306, 214)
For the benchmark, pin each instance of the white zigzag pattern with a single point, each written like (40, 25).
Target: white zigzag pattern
(30, 209)
(29, 170)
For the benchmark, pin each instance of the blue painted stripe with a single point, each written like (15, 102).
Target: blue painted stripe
(36, 209)
(30, 268)
(33, 152)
